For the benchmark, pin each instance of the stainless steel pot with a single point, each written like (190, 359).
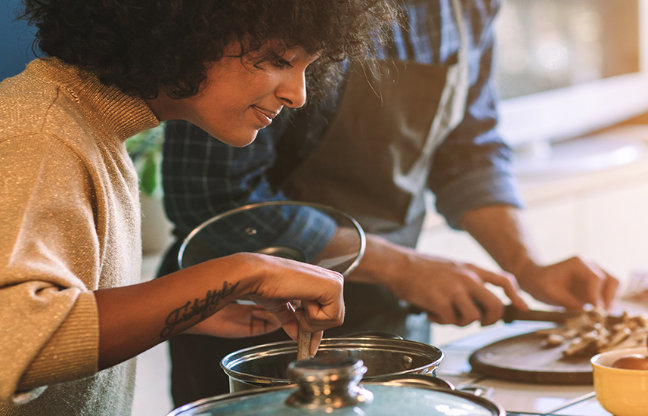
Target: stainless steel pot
(330, 386)
(267, 365)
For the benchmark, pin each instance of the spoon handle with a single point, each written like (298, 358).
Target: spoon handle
(303, 344)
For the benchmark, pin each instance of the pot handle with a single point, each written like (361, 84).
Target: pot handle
(370, 334)
(415, 380)
(478, 391)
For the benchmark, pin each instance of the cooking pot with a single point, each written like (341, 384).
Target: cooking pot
(329, 385)
(267, 364)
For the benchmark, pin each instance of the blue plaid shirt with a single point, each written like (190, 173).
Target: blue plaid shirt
(203, 177)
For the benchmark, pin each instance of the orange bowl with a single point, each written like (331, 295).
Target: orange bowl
(621, 392)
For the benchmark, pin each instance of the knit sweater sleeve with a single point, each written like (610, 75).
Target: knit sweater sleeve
(49, 264)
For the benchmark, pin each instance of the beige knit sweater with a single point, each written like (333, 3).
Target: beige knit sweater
(69, 224)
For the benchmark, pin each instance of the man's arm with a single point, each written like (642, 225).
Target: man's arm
(476, 190)
(472, 167)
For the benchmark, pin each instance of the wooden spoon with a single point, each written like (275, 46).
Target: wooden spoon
(303, 344)
(303, 336)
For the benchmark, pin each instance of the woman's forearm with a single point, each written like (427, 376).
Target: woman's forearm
(134, 318)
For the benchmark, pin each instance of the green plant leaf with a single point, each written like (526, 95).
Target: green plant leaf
(145, 149)
(148, 176)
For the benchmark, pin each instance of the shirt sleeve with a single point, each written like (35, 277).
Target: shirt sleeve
(204, 177)
(472, 167)
(48, 248)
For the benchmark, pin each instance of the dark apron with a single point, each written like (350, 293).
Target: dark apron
(374, 161)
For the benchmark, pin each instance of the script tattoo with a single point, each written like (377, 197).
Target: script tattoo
(203, 307)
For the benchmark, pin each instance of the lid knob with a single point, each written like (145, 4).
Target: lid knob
(328, 382)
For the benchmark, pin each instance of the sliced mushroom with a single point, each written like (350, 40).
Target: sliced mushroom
(593, 332)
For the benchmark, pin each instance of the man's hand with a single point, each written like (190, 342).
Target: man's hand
(572, 283)
(455, 293)
(450, 292)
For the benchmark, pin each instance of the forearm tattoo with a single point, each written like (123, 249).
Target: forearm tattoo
(202, 307)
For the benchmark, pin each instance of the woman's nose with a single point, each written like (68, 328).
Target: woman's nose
(292, 91)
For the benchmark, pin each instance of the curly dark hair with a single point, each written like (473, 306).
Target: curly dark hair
(145, 46)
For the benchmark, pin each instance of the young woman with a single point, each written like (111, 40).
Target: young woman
(73, 309)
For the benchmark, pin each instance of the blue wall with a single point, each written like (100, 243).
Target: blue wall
(15, 40)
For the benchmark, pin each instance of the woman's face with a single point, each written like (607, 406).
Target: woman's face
(238, 98)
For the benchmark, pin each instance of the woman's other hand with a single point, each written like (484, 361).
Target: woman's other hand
(237, 321)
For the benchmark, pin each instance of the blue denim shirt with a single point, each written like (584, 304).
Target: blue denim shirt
(203, 177)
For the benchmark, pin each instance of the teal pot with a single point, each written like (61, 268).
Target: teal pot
(330, 385)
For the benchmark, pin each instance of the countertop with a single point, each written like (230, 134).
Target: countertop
(519, 398)
(516, 398)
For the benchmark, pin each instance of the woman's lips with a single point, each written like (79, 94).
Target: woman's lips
(265, 116)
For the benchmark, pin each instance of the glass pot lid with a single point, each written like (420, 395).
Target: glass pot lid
(307, 232)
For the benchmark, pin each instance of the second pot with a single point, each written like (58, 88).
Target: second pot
(266, 365)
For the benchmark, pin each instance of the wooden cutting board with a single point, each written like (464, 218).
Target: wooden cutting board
(522, 358)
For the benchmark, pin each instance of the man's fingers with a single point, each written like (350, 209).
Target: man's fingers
(593, 277)
(442, 312)
(507, 282)
(490, 306)
(610, 286)
(600, 290)
(567, 300)
(466, 311)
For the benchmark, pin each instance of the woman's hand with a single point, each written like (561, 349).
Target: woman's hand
(280, 286)
(276, 286)
(314, 302)
(134, 318)
(237, 321)
(275, 281)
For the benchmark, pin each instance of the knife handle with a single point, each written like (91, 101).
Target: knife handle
(509, 314)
